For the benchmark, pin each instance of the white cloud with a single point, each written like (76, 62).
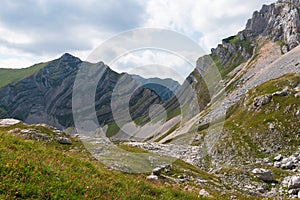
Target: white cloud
(40, 31)
(153, 63)
(207, 21)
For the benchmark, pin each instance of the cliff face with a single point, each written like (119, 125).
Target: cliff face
(279, 22)
(46, 96)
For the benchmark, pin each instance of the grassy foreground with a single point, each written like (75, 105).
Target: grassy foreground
(32, 170)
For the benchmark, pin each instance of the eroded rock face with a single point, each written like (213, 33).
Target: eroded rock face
(280, 20)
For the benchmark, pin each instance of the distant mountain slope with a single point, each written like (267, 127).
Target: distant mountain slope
(165, 88)
(14, 75)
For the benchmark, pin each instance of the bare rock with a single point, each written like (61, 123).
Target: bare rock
(152, 177)
(293, 182)
(278, 158)
(262, 100)
(9, 122)
(64, 140)
(263, 174)
(203, 193)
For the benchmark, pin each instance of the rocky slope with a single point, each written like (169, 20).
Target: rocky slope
(260, 70)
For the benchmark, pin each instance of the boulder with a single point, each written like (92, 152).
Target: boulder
(9, 122)
(64, 140)
(297, 114)
(262, 100)
(203, 193)
(157, 171)
(293, 182)
(277, 164)
(263, 174)
(284, 92)
(152, 177)
(278, 158)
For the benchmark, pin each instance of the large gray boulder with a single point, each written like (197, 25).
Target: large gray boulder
(64, 140)
(263, 174)
(293, 182)
(9, 122)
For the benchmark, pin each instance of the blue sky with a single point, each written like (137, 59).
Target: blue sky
(39, 30)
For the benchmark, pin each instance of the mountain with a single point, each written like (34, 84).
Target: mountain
(247, 128)
(43, 93)
(165, 88)
(241, 143)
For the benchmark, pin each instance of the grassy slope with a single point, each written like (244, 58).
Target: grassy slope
(247, 133)
(14, 75)
(32, 170)
(250, 127)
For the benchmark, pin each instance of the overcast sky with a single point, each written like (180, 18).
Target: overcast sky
(33, 31)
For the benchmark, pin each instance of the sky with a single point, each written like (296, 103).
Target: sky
(33, 31)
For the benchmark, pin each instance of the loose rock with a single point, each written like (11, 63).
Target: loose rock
(293, 182)
(203, 193)
(263, 174)
(152, 177)
(64, 140)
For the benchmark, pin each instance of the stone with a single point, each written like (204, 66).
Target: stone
(203, 193)
(288, 165)
(64, 140)
(277, 164)
(157, 171)
(297, 95)
(284, 92)
(263, 174)
(271, 127)
(293, 182)
(262, 100)
(278, 157)
(152, 177)
(297, 114)
(40, 136)
(9, 122)
(293, 191)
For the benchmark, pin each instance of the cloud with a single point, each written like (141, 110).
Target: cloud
(153, 63)
(206, 21)
(39, 30)
(52, 27)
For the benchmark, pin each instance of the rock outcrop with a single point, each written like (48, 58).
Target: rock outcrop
(279, 21)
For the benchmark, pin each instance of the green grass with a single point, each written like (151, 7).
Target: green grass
(32, 170)
(168, 132)
(112, 129)
(14, 75)
(248, 129)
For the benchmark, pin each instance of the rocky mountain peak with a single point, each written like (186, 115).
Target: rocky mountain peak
(280, 21)
(69, 58)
